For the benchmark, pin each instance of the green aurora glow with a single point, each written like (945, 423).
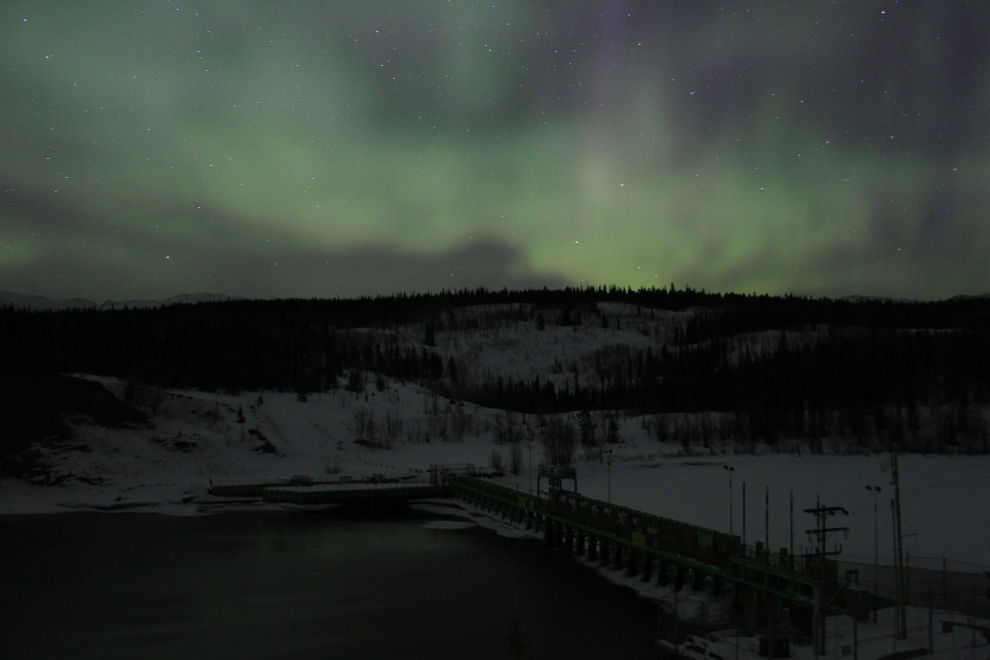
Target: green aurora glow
(332, 149)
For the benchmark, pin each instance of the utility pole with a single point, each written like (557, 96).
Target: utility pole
(855, 638)
(876, 546)
(897, 573)
(608, 453)
(766, 521)
(730, 470)
(901, 606)
(792, 522)
(744, 513)
(822, 531)
(770, 654)
(529, 443)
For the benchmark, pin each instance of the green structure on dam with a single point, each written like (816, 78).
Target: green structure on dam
(643, 544)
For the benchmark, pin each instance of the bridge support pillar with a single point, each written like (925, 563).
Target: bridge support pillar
(568, 539)
(580, 538)
(697, 579)
(603, 556)
(592, 547)
(717, 584)
(663, 572)
(678, 577)
(548, 532)
(617, 551)
(738, 596)
(632, 561)
(647, 566)
(771, 605)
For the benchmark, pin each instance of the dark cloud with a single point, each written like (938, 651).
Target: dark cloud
(369, 271)
(269, 270)
(275, 274)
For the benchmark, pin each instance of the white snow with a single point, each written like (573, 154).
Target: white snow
(945, 499)
(874, 640)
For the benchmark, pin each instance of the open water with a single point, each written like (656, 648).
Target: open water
(298, 586)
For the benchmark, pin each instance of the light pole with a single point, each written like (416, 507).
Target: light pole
(876, 544)
(529, 443)
(608, 456)
(730, 470)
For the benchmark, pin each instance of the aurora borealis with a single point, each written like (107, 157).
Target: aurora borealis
(324, 149)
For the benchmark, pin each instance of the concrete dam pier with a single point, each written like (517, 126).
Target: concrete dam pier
(652, 547)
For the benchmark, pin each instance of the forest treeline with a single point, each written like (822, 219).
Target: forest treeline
(915, 374)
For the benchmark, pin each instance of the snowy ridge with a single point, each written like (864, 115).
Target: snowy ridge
(182, 298)
(42, 303)
(859, 299)
(965, 297)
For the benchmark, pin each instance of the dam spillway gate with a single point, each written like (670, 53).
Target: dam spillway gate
(642, 544)
(650, 546)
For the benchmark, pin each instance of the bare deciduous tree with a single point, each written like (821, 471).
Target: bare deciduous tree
(495, 460)
(506, 428)
(460, 423)
(365, 427)
(559, 440)
(393, 426)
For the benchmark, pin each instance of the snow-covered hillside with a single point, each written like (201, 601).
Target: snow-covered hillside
(196, 436)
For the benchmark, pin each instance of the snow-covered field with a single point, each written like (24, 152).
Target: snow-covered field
(195, 437)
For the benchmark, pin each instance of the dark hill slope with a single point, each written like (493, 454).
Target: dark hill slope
(34, 406)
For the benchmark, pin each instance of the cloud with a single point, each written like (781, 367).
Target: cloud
(373, 148)
(88, 257)
(368, 271)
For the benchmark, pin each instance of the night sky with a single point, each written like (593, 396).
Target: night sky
(348, 148)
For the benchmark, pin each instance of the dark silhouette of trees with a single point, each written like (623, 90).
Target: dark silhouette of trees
(915, 375)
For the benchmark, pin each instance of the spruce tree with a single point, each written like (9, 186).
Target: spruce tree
(430, 338)
(612, 430)
(586, 422)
